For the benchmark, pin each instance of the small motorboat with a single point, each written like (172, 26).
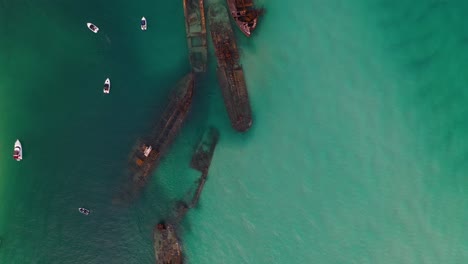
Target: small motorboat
(92, 27)
(18, 151)
(84, 211)
(143, 23)
(106, 89)
(147, 151)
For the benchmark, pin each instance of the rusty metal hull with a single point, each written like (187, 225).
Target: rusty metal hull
(229, 71)
(195, 28)
(167, 246)
(165, 131)
(141, 166)
(244, 14)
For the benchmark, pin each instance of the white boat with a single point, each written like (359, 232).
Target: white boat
(92, 27)
(143, 23)
(147, 151)
(106, 89)
(18, 151)
(84, 211)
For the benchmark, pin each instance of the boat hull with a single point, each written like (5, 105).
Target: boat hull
(167, 247)
(202, 156)
(229, 71)
(165, 131)
(245, 16)
(107, 86)
(84, 211)
(143, 24)
(195, 28)
(92, 27)
(18, 151)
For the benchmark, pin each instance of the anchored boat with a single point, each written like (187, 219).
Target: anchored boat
(143, 24)
(84, 211)
(107, 84)
(92, 27)
(147, 151)
(18, 151)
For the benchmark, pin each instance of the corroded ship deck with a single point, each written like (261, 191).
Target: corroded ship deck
(244, 14)
(229, 71)
(167, 248)
(147, 154)
(195, 28)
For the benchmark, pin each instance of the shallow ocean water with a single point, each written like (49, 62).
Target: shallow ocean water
(356, 154)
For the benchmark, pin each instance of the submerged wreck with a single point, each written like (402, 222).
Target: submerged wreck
(229, 71)
(167, 245)
(244, 14)
(147, 154)
(195, 28)
(201, 159)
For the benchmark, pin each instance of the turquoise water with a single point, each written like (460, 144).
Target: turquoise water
(356, 154)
